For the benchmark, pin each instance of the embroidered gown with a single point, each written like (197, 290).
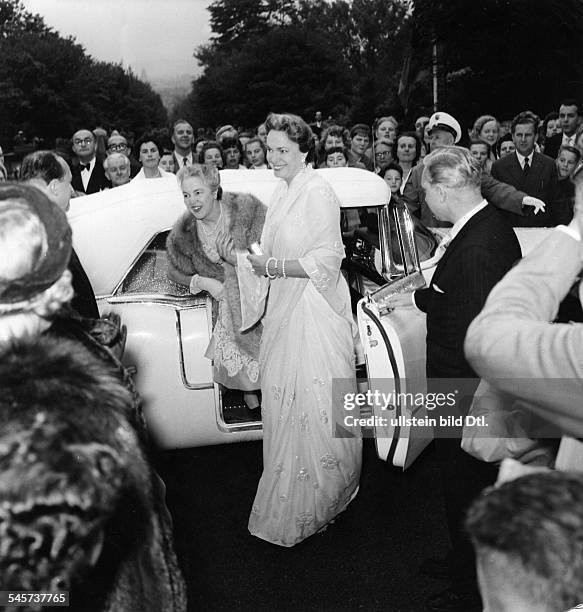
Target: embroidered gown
(309, 474)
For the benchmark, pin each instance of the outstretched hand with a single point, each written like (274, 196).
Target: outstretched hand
(538, 205)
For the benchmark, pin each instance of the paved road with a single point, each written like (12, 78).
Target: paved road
(366, 560)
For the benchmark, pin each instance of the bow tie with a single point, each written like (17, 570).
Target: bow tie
(85, 167)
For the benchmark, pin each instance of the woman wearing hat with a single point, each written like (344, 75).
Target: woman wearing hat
(80, 508)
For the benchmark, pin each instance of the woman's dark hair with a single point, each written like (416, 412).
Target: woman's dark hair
(505, 138)
(391, 166)
(232, 143)
(294, 126)
(332, 150)
(149, 137)
(211, 144)
(417, 145)
(479, 141)
(332, 130)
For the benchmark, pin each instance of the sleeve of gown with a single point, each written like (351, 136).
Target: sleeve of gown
(253, 290)
(325, 250)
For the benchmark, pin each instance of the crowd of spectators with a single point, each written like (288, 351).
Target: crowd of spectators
(99, 160)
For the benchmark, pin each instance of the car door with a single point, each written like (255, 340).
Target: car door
(168, 332)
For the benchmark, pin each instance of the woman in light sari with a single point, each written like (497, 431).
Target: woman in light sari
(311, 459)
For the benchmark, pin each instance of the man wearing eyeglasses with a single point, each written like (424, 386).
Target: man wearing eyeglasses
(382, 154)
(117, 143)
(88, 174)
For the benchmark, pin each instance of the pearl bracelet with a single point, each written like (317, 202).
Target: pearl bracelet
(267, 268)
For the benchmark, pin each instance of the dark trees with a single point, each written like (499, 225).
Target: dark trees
(49, 86)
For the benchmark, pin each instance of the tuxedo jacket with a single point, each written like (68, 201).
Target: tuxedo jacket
(497, 193)
(476, 259)
(514, 339)
(541, 182)
(97, 181)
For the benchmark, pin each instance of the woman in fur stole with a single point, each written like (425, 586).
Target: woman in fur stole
(224, 221)
(81, 509)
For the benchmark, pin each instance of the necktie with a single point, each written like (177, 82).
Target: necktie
(526, 167)
(85, 167)
(185, 161)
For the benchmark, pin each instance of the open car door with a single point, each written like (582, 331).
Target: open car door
(394, 345)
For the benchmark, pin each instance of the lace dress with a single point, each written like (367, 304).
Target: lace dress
(233, 367)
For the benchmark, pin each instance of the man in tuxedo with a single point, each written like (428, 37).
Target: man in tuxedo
(87, 171)
(514, 337)
(570, 117)
(51, 172)
(182, 139)
(444, 130)
(480, 249)
(531, 172)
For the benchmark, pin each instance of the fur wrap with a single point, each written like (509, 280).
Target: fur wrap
(244, 215)
(73, 468)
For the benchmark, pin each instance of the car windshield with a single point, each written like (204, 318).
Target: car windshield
(150, 272)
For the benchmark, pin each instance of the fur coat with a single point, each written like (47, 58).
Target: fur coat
(81, 509)
(244, 215)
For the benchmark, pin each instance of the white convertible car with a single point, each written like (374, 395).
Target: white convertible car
(120, 237)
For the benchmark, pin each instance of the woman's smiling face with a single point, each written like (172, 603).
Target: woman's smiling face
(284, 155)
(198, 197)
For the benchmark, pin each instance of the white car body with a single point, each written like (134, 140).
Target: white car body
(168, 330)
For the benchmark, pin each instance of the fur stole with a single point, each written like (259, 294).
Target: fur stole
(244, 215)
(72, 466)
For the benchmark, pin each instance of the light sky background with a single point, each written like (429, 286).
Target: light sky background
(158, 36)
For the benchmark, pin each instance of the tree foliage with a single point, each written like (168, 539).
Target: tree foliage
(501, 57)
(340, 57)
(50, 87)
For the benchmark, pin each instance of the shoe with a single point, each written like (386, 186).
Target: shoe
(454, 600)
(435, 568)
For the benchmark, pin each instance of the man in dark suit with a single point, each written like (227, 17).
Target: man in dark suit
(531, 172)
(52, 173)
(182, 138)
(481, 248)
(569, 116)
(444, 130)
(88, 175)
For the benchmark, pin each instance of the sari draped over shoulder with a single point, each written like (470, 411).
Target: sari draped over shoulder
(309, 475)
